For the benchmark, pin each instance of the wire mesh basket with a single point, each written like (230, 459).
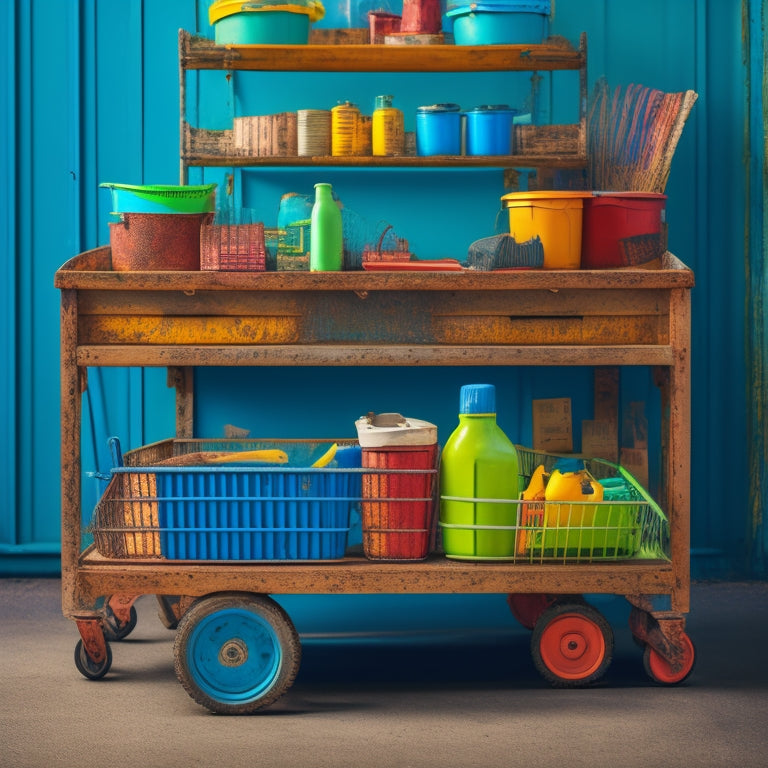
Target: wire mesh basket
(233, 242)
(389, 247)
(626, 524)
(504, 252)
(126, 520)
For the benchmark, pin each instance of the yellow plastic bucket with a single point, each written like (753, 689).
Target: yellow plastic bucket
(554, 217)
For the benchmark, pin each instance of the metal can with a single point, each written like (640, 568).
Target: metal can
(345, 120)
(313, 132)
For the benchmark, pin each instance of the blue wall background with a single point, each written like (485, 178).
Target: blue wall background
(89, 93)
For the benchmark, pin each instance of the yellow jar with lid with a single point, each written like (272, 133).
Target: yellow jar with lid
(345, 121)
(388, 129)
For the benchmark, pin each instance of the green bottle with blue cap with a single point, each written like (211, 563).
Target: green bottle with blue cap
(479, 482)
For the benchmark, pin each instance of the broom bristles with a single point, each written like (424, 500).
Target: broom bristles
(633, 135)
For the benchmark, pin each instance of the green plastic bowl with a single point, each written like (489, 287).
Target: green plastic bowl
(158, 198)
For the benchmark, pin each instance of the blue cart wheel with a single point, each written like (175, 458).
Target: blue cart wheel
(236, 653)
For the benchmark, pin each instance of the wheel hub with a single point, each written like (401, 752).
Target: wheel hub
(233, 653)
(572, 645)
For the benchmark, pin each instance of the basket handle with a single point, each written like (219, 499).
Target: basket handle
(381, 239)
(116, 451)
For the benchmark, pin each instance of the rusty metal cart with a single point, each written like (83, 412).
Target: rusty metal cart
(611, 318)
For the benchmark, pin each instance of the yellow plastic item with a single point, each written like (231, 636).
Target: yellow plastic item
(531, 515)
(222, 8)
(268, 455)
(536, 486)
(327, 457)
(577, 487)
(555, 218)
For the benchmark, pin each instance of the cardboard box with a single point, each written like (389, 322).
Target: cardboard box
(552, 425)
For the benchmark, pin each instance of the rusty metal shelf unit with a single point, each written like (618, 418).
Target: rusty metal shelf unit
(183, 320)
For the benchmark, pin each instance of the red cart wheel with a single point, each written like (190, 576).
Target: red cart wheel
(572, 645)
(660, 670)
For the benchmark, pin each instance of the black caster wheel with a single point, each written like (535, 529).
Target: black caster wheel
(113, 629)
(89, 668)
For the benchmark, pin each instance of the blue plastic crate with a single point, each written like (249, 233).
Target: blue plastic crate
(241, 513)
(232, 511)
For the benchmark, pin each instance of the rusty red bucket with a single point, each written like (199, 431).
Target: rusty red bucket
(156, 241)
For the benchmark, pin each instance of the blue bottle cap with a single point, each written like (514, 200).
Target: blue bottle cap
(478, 398)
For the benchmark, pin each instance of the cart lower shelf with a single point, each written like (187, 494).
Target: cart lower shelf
(98, 576)
(236, 649)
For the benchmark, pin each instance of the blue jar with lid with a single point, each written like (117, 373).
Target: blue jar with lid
(489, 129)
(438, 130)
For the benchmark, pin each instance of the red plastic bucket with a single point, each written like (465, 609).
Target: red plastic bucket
(622, 229)
(398, 521)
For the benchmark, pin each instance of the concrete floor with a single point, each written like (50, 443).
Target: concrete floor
(415, 698)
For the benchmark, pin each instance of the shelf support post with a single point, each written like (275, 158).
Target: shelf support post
(182, 379)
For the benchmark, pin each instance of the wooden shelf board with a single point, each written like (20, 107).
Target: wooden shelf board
(201, 53)
(361, 576)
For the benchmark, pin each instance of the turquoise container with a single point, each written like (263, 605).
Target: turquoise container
(438, 130)
(504, 23)
(263, 23)
(479, 482)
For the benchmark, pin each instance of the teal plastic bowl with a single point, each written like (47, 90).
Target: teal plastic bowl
(263, 28)
(507, 23)
(264, 22)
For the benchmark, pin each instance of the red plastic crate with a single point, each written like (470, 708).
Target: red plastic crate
(233, 247)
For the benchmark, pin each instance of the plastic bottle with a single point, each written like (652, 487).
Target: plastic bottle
(326, 233)
(388, 129)
(478, 463)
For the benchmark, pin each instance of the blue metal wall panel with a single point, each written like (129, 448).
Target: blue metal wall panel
(8, 334)
(91, 96)
(757, 281)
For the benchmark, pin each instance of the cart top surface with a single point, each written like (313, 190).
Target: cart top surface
(92, 270)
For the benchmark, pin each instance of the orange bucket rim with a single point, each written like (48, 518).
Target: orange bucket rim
(540, 194)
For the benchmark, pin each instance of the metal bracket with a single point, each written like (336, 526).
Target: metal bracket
(121, 605)
(93, 639)
(662, 631)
